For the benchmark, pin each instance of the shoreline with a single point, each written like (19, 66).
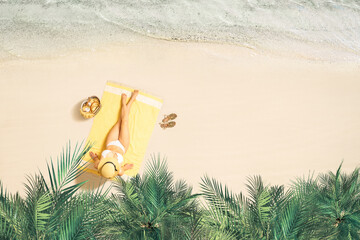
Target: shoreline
(134, 39)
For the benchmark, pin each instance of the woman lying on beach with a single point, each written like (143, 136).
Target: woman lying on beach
(117, 143)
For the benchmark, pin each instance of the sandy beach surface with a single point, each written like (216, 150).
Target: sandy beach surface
(239, 113)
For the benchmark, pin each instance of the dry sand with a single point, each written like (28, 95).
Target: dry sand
(239, 113)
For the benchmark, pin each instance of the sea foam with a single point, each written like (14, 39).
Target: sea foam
(313, 29)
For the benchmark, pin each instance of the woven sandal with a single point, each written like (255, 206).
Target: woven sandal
(169, 117)
(167, 125)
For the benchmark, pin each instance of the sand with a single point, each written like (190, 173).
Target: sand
(239, 113)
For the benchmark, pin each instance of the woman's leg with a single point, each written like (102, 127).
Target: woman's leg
(124, 136)
(114, 132)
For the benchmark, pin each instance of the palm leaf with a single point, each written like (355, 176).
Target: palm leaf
(36, 207)
(151, 206)
(225, 210)
(67, 168)
(259, 207)
(72, 228)
(10, 217)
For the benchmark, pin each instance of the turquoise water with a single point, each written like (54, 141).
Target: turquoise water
(318, 30)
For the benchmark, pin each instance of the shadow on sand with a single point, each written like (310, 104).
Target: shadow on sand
(93, 181)
(76, 112)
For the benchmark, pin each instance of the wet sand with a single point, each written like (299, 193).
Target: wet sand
(239, 113)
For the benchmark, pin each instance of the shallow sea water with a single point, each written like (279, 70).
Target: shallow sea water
(312, 29)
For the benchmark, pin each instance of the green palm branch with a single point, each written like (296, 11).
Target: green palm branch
(154, 206)
(267, 213)
(291, 220)
(68, 167)
(36, 208)
(84, 215)
(224, 213)
(54, 209)
(10, 209)
(337, 199)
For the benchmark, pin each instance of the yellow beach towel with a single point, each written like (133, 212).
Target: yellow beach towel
(142, 120)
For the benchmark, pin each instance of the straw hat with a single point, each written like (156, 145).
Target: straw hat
(109, 167)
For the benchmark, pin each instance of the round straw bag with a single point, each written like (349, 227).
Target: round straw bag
(90, 107)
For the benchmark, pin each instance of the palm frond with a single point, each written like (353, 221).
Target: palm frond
(291, 220)
(10, 214)
(73, 227)
(36, 207)
(151, 206)
(259, 206)
(68, 167)
(225, 212)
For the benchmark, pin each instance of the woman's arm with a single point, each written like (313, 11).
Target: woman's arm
(121, 172)
(127, 166)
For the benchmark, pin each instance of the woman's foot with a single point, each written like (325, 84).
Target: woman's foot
(125, 107)
(133, 97)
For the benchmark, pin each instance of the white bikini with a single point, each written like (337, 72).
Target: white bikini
(117, 143)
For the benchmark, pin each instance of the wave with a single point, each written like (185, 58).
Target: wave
(314, 29)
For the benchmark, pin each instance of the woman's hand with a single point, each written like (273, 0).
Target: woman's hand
(128, 166)
(96, 159)
(94, 156)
